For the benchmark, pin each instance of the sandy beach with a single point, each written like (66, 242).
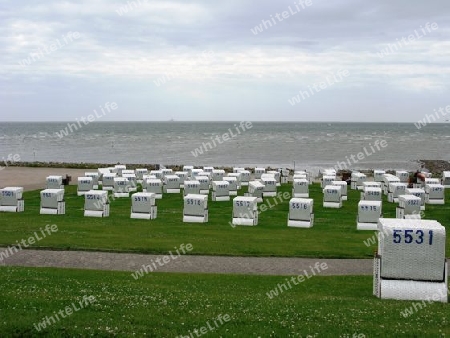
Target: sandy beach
(31, 178)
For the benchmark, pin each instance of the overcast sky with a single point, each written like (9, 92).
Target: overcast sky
(205, 60)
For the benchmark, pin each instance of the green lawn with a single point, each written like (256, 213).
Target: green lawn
(334, 234)
(169, 305)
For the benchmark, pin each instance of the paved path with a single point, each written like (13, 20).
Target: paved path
(34, 178)
(185, 263)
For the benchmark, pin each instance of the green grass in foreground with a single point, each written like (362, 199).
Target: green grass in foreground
(333, 235)
(169, 305)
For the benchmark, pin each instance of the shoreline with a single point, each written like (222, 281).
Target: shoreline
(433, 166)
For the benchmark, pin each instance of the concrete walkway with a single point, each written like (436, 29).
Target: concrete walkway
(185, 263)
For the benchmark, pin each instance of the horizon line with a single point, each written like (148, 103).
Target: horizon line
(212, 121)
